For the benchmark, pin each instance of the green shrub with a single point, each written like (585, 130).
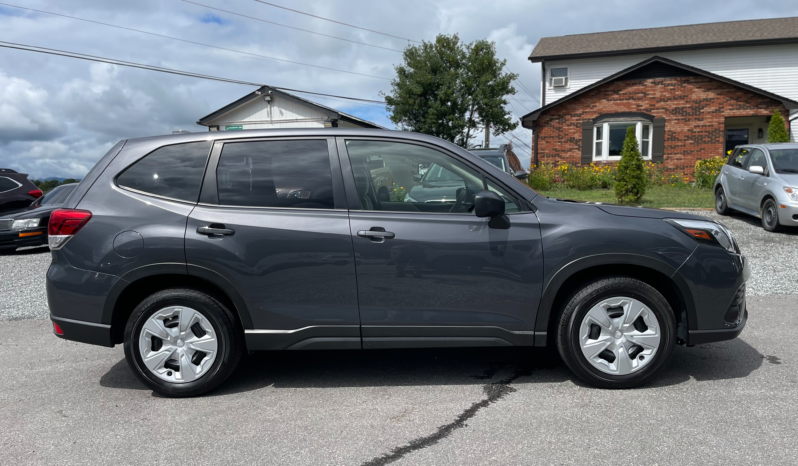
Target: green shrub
(655, 173)
(707, 170)
(399, 194)
(630, 179)
(777, 132)
(605, 175)
(541, 177)
(581, 179)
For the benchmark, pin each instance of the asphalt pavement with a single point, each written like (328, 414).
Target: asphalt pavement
(723, 403)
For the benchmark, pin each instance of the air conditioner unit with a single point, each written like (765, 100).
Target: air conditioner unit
(559, 82)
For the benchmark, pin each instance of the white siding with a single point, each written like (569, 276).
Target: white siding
(772, 68)
(284, 114)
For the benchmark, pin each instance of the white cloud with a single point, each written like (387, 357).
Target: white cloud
(25, 112)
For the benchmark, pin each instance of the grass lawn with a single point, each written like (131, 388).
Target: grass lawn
(657, 197)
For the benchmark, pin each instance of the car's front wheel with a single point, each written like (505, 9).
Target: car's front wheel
(770, 216)
(616, 332)
(181, 342)
(721, 203)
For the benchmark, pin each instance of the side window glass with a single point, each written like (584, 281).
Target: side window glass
(412, 178)
(737, 158)
(172, 171)
(292, 174)
(511, 204)
(7, 184)
(757, 159)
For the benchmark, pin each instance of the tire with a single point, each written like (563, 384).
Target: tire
(178, 374)
(593, 298)
(770, 216)
(721, 202)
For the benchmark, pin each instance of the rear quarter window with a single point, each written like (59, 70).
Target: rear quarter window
(7, 184)
(174, 171)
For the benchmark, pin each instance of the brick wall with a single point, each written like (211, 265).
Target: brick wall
(694, 109)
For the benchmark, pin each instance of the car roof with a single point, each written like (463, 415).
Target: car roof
(774, 145)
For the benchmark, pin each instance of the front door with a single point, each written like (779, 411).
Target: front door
(272, 222)
(429, 272)
(753, 185)
(734, 172)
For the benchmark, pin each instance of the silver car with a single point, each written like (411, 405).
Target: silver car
(761, 180)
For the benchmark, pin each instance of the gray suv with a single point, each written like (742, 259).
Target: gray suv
(761, 180)
(193, 249)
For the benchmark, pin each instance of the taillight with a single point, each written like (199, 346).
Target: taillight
(64, 224)
(37, 193)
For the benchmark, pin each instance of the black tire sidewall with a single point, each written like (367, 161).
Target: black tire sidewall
(724, 210)
(665, 319)
(765, 225)
(210, 309)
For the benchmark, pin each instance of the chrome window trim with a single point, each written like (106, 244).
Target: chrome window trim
(19, 185)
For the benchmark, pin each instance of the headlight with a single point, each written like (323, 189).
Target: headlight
(792, 192)
(26, 223)
(409, 199)
(706, 232)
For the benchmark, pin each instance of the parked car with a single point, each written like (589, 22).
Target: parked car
(503, 158)
(151, 252)
(16, 191)
(28, 226)
(761, 180)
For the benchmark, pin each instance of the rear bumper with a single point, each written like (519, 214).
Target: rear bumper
(84, 332)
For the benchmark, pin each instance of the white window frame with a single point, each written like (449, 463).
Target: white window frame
(567, 77)
(605, 146)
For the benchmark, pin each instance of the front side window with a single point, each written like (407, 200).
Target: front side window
(172, 171)
(423, 179)
(757, 160)
(784, 160)
(608, 139)
(737, 158)
(289, 174)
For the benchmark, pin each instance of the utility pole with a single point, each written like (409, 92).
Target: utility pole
(487, 136)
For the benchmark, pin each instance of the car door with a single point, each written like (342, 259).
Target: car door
(272, 223)
(431, 273)
(753, 185)
(734, 174)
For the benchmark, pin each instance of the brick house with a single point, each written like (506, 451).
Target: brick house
(691, 92)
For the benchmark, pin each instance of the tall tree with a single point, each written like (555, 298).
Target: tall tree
(450, 89)
(777, 132)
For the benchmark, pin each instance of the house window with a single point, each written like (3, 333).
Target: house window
(608, 139)
(558, 77)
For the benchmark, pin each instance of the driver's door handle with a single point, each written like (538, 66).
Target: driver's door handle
(216, 230)
(377, 234)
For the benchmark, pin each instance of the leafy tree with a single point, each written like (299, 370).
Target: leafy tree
(48, 185)
(630, 179)
(777, 132)
(450, 89)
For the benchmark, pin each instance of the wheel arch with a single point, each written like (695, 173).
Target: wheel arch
(658, 274)
(140, 283)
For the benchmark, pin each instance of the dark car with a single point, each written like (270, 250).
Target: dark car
(180, 248)
(16, 191)
(503, 158)
(28, 226)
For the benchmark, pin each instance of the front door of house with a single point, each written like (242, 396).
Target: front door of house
(735, 137)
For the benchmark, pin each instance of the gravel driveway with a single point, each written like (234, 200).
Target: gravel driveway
(773, 258)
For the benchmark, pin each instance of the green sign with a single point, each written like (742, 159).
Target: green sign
(234, 127)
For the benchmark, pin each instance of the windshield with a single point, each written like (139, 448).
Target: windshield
(438, 173)
(785, 160)
(494, 160)
(58, 195)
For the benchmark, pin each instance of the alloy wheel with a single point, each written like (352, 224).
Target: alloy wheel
(178, 344)
(619, 336)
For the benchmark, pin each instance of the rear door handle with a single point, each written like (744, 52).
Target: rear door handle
(376, 234)
(216, 230)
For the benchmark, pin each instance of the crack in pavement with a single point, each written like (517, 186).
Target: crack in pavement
(494, 392)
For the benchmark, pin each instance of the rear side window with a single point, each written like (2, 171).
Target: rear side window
(275, 174)
(7, 184)
(172, 171)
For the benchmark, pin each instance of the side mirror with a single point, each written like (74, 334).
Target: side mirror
(521, 175)
(756, 170)
(490, 204)
(417, 177)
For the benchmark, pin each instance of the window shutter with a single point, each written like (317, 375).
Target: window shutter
(658, 140)
(587, 142)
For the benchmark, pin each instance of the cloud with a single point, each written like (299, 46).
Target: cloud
(25, 112)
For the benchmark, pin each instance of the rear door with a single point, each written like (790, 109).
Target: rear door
(431, 273)
(272, 222)
(752, 185)
(734, 172)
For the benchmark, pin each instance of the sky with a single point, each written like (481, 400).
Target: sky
(59, 115)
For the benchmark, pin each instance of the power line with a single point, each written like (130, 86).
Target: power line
(337, 22)
(196, 43)
(291, 27)
(113, 61)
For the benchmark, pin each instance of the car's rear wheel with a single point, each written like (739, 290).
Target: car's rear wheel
(721, 203)
(616, 332)
(182, 342)
(770, 216)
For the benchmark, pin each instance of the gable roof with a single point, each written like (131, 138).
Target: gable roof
(332, 113)
(638, 72)
(657, 40)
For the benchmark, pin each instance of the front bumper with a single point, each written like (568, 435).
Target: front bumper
(788, 213)
(20, 239)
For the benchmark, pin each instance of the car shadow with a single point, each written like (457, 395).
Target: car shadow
(466, 366)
